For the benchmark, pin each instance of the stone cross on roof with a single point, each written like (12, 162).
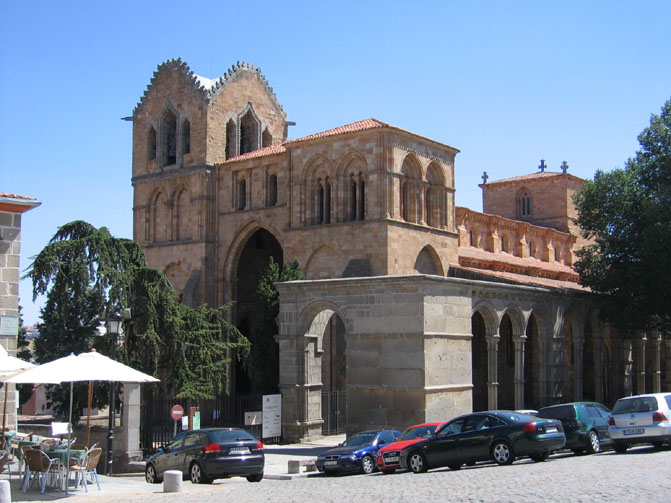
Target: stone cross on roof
(542, 166)
(564, 167)
(484, 177)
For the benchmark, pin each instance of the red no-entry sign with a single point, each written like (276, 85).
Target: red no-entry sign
(177, 412)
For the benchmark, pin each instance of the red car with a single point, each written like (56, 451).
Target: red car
(387, 457)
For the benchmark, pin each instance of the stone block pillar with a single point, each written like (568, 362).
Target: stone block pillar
(492, 371)
(520, 342)
(127, 447)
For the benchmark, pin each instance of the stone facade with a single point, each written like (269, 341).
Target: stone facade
(12, 206)
(419, 310)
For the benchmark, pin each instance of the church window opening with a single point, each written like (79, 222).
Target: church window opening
(242, 194)
(557, 254)
(320, 203)
(352, 199)
(525, 205)
(471, 238)
(503, 244)
(169, 137)
(151, 144)
(428, 203)
(249, 133)
(404, 202)
(230, 139)
(266, 138)
(272, 190)
(327, 202)
(362, 197)
(186, 137)
(531, 249)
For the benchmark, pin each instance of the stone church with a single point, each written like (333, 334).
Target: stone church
(418, 309)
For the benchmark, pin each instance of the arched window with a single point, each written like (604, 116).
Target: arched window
(327, 202)
(504, 245)
(525, 204)
(557, 254)
(266, 138)
(272, 190)
(242, 194)
(362, 197)
(230, 139)
(169, 138)
(186, 137)
(404, 202)
(428, 203)
(249, 133)
(320, 203)
(471, 238)
(151, 144)
(532, 250)
(352, 199)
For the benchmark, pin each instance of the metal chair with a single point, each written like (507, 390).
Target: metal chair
(4, 461)
(40, 467)
(89, 467)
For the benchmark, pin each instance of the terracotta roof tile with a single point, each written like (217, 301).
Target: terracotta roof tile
(526, 280)
(262, 152)
(348, 128)
(17, 196)
(531, 176)
(506, 258)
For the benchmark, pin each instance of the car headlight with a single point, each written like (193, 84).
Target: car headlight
(352, 457)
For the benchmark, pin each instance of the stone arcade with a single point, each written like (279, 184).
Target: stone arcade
(418, 309)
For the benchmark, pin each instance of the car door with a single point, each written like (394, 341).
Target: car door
(192, 445)
(443, 450)
(168, 460)
(599, 416)
(473, 442)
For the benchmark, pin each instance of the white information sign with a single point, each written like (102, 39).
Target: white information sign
(272, 416)
(9, 325)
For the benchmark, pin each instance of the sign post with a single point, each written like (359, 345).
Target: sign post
(176, 414)
(272, 416)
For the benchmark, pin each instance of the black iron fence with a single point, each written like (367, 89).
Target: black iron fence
(333, 412)
(157, 427)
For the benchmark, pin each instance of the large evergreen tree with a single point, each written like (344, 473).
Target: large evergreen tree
(86, 274)
(627, 212)
(263, 365)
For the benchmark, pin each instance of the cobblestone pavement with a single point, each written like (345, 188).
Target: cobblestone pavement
(642, 474)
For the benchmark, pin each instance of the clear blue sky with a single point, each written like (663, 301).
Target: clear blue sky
(507, 83)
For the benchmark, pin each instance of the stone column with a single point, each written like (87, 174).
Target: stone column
(492, 371)
(420, 206)
(578, 343)
(520, 344)
(656, 361)
(127, 447)
(639, 361)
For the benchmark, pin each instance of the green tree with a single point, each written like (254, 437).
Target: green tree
(263, 365)
(23, 352)
(626, 212)
(86, 273)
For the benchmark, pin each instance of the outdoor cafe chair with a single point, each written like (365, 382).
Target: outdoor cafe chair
(40, 467)
(4, 462)
(88, 467)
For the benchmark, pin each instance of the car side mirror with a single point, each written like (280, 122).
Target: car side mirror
(340, 444)
(381, 442)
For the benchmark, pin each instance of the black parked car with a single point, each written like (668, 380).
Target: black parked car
(208, 454)
(498, 435)
(585, 424)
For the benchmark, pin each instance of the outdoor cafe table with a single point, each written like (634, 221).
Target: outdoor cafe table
(62, 454)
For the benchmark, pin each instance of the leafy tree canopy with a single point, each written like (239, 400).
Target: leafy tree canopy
(627, 213)
(86, 274)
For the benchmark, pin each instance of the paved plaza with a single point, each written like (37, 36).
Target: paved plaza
(643, 474)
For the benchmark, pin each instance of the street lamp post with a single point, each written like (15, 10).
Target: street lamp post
(113, 327)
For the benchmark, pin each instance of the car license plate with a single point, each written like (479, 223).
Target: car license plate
(551, 429)
(330, 463)
(239, 450)
(391, 459)
(634, 431)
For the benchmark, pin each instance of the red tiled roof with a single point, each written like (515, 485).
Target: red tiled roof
(17, 196)
(531, 176)
(517, 262)
(348, 128)
(262, 152)
(526, 280)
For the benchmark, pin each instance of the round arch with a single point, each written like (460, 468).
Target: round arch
(428, 262)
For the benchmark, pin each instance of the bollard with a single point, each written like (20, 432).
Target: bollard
(172, 481)
(5, 492)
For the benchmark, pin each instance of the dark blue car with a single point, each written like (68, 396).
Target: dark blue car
(357, 453)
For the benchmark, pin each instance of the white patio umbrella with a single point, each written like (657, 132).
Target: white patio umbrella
(9, 365)
(83, 367)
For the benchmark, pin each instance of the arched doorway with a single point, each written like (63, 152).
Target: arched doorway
(334, 367)
(506, 365)
(255, 256)
(532, 365)
(566, 383)
(479, 362)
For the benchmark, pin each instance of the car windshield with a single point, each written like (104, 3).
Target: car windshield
(360, 440)
(418, 432)
(565, 412)
(224, 436)
(638, 404)
(515, 417)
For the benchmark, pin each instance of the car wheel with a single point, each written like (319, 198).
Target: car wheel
(417, 462)
(197, 476)
(150, 474)
(454, 467)
(539, 457)
(257, 477)
(502, 453)
(367, 465)
(658, 445)
(619, 448)
(593, 444)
